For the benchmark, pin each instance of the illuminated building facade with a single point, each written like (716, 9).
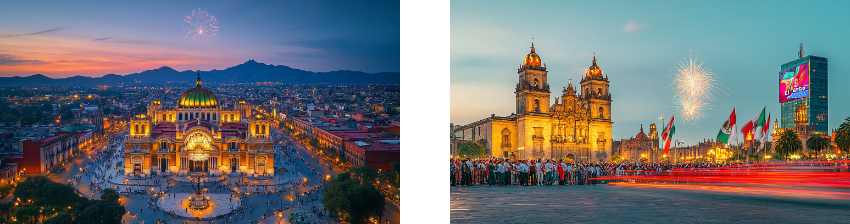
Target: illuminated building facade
(199, 135)
(815, 106)
(576, 126)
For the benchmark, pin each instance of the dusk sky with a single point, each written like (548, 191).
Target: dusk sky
(638, 45)
(67, 38)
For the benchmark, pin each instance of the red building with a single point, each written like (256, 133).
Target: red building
(378, 154)
(46, 154)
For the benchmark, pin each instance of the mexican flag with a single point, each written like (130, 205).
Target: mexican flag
(668, 134)
(729, 132)
(765, 131)
(754, 127)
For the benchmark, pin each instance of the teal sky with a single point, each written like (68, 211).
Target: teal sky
(638, 45)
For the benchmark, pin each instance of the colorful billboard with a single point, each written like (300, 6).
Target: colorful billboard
(794, 83)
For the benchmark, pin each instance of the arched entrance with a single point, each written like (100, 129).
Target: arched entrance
(571, 157)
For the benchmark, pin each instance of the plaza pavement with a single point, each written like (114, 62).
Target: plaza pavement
(618, 204)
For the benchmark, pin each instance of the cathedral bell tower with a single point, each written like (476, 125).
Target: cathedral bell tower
(532, 90)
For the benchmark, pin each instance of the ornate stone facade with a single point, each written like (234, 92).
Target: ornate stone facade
(576, 126)
(199, 135)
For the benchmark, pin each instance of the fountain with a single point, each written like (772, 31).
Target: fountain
(198, 201)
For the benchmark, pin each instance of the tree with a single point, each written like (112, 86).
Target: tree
(365, 173)
(616, 158)
(788, 144)
(107, 110)
(6, 208)
(472, 150)
(817, 143)
(109, 195)
(354, 201)
(140, 109)
(61, 218)
(6, 189)
(842, 136)
(102, 212)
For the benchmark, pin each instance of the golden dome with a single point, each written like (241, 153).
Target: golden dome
(594, 70)
(532, 60)
(198, 97)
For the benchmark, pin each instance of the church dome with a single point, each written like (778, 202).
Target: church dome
(594, 69)
(532, 60)
(198, 97)
(641, 135)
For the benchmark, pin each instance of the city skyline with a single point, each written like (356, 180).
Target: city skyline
(639, 51)
(66, 39)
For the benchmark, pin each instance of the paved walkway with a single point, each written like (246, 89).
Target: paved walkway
(617, 204)
(219, 204)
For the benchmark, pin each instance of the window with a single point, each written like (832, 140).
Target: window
(213, 116)
(180, 116)
(536, 83)
(163, 145)
(137, 129)
(137, 147)
(261, 148)
(256, 129)
(601, 112)
(536, 105)
(264, 129)
(191, 117)
(232, 145)
(163, 117)
(600, 91)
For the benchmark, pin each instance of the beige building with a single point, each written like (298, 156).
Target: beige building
(576, 126)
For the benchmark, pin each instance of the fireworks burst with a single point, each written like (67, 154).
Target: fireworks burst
(693, 89)
(201, 27)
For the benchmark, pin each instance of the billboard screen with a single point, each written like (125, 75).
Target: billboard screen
(794, 83)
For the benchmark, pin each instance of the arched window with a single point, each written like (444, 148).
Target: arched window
(137, 129)
(264, 129)
(257, 129)
(601, 112)
(599, 91)
(537, 105)
(163, 117)
(536, 83)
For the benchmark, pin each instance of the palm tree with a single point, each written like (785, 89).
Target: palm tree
(842, 136)
(817, 143)
(788, 143)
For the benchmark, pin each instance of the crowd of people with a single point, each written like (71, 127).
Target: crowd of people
(493, 171)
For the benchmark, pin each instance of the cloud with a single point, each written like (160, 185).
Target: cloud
(40, 32)
(496, 31)
(343, 48)
(6, 59)
(101, 39)
(633, 26)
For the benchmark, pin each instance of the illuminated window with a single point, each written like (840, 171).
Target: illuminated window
(536, 83)
(601, 112)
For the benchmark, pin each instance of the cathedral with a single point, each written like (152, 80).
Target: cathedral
(201, 136)
(576, 126)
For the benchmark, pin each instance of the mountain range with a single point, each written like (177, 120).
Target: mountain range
(250, 71)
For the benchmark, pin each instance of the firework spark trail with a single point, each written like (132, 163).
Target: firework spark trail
(201, 27)
(693, 89)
